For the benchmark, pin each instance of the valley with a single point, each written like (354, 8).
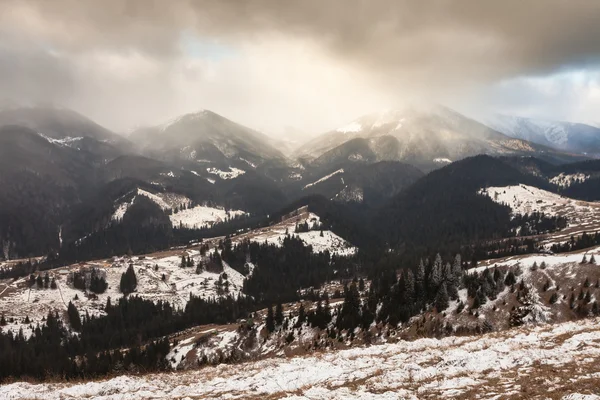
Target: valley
(178, 260)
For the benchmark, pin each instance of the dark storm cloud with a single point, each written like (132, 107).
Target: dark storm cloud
(487, 39)
(406, 48)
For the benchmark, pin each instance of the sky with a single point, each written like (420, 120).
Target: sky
(301, 67)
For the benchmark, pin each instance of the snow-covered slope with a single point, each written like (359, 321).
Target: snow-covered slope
(199, 216)
(276, 233)
(17, 301)
(556, 361)
(582, 216)
(205, 136)
(561, 135)
(187, 216)
(426, 135)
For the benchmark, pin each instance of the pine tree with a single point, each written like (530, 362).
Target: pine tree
(278, 314)
(128, 281)
(586, 283)
(584, 260)
(270, 322)
(510, 279)
(361, 285)
(74, 317)
(553, 298)
(301, 316)
(593, 260)
(420, 280)
(442, 299)
(3, 320)
(53, 284)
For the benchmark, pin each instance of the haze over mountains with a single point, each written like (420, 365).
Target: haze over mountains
(209, 159)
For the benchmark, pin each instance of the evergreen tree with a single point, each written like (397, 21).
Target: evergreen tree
(593, 260)
(442, 299)
(74, 317)
(128, 281)
(349, 316)
(279, 314)
(270, 322)
(301, 316)
(361, 284)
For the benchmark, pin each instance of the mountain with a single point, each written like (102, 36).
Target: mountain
(427, 137)
(40, 180)
(560, 135)
(67, 128)
(444, 208)
(205, 137)
(370, 184)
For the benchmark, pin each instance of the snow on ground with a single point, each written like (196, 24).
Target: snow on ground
(339, 171)
(66, 141)
(350, 128)
(523, 199)
(231, 174)
(200, 216)
(582, 216)
(18, 301)
(442, 160)
(565, 180)
(276, 233)
(551, 361)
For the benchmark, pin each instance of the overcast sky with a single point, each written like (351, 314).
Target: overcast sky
(310, 65)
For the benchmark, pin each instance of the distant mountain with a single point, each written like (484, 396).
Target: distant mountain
(68, 128)
(560, 135)
(427, 137)
(205, 137)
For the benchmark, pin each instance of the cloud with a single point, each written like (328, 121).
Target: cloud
(271, 63)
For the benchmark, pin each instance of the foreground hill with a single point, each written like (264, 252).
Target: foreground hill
(555, 361)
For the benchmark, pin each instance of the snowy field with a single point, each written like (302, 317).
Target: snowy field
(195, 217)
(582, 216)
(551, 361)
(275, 234)
(18, 301)
(200, 216)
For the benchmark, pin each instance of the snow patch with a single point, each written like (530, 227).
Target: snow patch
(339, 171)
(231, 174)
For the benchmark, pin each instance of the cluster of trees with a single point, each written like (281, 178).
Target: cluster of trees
(577, 243)
(139, 325)
(537, 223)
(282, 270)
(41, 282)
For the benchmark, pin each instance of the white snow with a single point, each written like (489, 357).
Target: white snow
(200, 216)
(175, 289)
(523, 199)
(248, 162)
(442, 160)
(352, 127)
(66, 141)
(566, 180)
(490, 366)
(231, 174)
(339, 171)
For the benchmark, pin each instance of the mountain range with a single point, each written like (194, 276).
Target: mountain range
(63, 175)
